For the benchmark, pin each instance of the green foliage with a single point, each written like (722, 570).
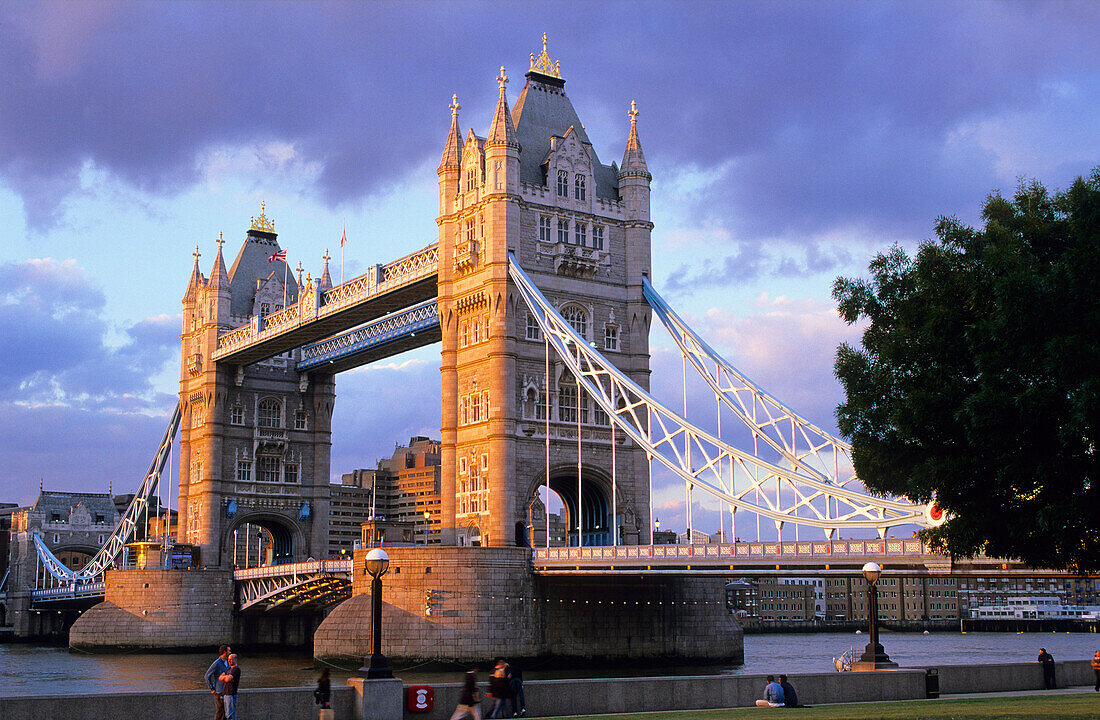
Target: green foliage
(978, 377)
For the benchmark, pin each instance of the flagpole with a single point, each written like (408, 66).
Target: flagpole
(343, 242)
(286, 266)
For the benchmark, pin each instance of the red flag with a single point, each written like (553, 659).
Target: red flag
(344, 238)
(281, 255)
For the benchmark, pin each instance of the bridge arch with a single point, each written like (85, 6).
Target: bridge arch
(277, 539)
(595, 507)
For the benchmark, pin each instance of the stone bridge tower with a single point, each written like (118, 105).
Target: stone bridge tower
(534, 186)
(254, 440)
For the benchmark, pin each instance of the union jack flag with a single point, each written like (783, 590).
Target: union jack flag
(281, 255)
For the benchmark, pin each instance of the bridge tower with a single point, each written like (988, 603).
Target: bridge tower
(255, 439)
(534, 186)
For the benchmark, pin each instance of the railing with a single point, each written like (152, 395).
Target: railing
(284, 318)
(738, 551)
(308, 567)
(76, 590)
(416, 318)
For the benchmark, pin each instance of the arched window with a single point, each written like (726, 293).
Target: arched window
(271, 413)
(578, 187)
(563, 183)
(576, 317)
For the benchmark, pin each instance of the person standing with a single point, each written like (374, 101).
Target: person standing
(1096, 669)
(515, 680)
(1047, 661)
(469, 700)
(232, 679)
(214, 681)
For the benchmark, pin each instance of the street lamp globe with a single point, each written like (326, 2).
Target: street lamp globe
(872, 571)
(378, 562)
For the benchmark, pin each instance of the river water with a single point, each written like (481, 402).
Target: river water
(49, 670)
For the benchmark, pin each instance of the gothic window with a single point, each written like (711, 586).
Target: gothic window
(463, 468)
(533, 330)
(576, 317)
(236, 415)
(271, 413)
(597, 237)
(471, 179)
(290, 473)
(269, 468)
(244, 471)
(463, 417)
(475, 331)
(611, 337)
(600, 417)
(544, 229)
(581, 234)
(265, 309)
(485, 405)
(484, 462)
(481, 224)
(470, 236)
(196, 471)
(540, 407)
(300, 420)
(485, 333)
(563, 231)
(578, 187)
(583, 403)
(197, 415)
(563, 183)
(567, 403)
(464, 335)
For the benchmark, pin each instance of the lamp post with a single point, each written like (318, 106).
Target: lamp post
(378, 562)
(874, 656)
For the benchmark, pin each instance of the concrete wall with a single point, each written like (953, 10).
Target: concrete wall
(156, 608)
(565, 697)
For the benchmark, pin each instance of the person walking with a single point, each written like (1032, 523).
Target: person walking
(1096, 669)
(499, 689)
(773, 694)
(232, 679)
(515, 680)
(214, 681)
(469, 700)
(323, 693)
(1047, 661)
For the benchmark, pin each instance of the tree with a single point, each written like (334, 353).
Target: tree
(977, 382)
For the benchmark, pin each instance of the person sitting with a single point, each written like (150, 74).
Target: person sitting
(773, 694)
(790, 697)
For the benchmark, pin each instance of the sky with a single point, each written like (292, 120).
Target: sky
(788, 142)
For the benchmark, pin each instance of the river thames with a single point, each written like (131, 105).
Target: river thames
(51, 670)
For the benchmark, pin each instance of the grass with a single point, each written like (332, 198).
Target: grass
(1032, 707)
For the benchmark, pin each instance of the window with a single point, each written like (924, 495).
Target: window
(544, 229)
(563, 183)
(578, 187)
(581, 234)
(611, 337)
(300, 420)
(470, 232)
(533, 330)
(244, 471)
(567, 403)
(271, 413)
(290, 473)
(475, 334)
(269, 468)
(563, 231)
(471, 179)
(196, 471)
(484, 462)
(600, 416)
(464, 335)
(540, 407)
(265, 309)
(597, 237)
(196, 416)
(485, 405)
(578, 318)
(463, 468)
(236, 415)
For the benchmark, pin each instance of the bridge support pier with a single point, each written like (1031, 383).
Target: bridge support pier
(474, 604)
(157, 609)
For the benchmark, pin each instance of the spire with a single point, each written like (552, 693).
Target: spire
(325, 282)
(452, 151)
(634, 158)
(299, 275)
(219, 278)
(196, 280)
(502, 131)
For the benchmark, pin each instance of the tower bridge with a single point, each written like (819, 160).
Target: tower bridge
(537, 289)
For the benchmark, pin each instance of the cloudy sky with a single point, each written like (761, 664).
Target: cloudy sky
(789, 142)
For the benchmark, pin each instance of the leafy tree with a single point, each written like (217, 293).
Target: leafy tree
(978, 378)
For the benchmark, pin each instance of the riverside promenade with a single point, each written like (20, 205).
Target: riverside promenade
(386, 699)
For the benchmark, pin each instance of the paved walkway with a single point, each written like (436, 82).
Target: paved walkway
(1075, 690)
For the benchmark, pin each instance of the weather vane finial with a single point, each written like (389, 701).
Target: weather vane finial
(220, 241)
(502, 79)
(455, 107)
(543, 64)
(263, 223)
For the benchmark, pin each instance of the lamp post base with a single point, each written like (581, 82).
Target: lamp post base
(376, 668)
(874, 658)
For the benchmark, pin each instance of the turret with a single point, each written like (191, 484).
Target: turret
(218, 291)
(450, 166)
(634, 177)
(325, 282)
(501, 147)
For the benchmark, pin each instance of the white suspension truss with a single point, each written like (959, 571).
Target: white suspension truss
(703, 460)
(124, 531)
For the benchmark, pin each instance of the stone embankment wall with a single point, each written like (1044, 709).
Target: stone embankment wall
(560, 697)
(475, 604)
(158, 609)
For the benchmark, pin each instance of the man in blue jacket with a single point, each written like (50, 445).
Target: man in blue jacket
(773, 694)
(216, 684)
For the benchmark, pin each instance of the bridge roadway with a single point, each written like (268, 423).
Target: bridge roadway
(381, 291)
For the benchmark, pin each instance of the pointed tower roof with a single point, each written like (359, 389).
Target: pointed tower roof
(503, 130)
(197, 280)
(452, 151)
(634, 158)
(219, 278)
(543, 110)
(325, 283)
(251, 264)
